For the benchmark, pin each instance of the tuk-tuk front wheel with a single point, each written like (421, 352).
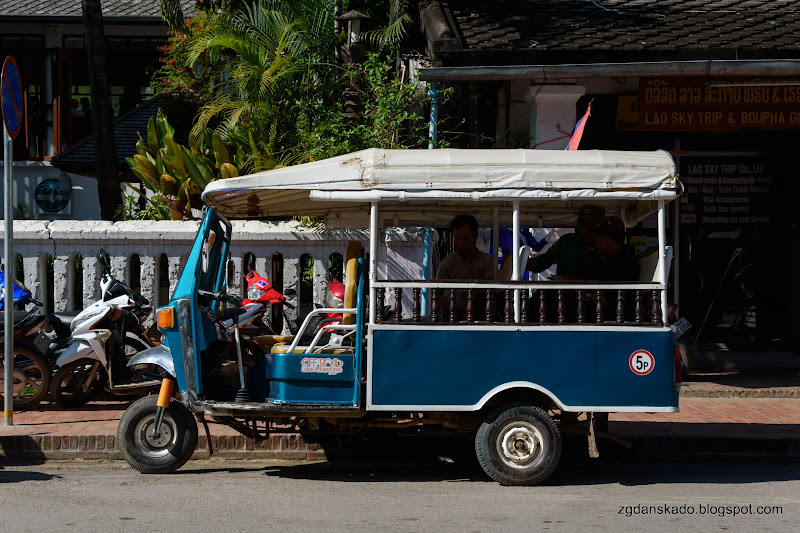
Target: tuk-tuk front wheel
(152, 453)
(518, 445)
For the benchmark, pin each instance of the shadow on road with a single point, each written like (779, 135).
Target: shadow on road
(433, 462)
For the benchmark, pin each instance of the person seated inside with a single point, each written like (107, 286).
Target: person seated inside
(574, 252)
(467, 262)
(615, 261)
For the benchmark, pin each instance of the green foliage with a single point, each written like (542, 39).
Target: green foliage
(265, 78)
(22, 211)
(176, 174)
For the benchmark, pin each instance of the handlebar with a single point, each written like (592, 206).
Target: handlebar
(221, 296)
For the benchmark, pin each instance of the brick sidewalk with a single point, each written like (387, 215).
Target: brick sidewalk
(704, 424)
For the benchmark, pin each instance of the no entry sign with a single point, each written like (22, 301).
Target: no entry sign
(11, 97)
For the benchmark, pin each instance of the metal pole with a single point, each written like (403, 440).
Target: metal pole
(515, 273)
(426, 268)
(433, 92)
(373, 260)
(8, 163)
(662, 256)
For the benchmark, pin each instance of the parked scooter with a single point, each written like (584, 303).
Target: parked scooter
(105, 336)
(32, 370)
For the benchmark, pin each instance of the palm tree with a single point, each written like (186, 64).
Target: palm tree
(280, 57)
(108, 182)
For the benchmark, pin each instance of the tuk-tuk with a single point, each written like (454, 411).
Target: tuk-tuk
(529, 360)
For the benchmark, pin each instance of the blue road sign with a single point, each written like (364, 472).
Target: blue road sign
(11, 97)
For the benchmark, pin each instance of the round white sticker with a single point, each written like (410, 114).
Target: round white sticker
(642, 362)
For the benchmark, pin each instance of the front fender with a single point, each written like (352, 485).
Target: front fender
(79, 349)
(160, 355)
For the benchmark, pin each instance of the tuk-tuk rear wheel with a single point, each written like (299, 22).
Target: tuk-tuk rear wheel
(156, 454)
(518, 445)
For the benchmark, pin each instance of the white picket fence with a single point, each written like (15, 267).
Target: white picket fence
(160, 249)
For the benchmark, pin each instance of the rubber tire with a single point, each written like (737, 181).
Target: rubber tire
(57, 390)
(488, 438)
(40, 364)
(686, 358)
(178, 453)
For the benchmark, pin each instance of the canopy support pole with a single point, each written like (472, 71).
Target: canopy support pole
(515, 274)
(373, 260)
(426, 269)
(662, 256)
(496, 234)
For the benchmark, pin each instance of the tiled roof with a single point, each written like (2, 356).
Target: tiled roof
(72, 8)
(81, 155)
(604, 29)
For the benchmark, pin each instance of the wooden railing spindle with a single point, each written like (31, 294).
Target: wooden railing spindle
(620, 306)
(379, 303)
(542, 307)
(434, 305)
(581, 317)
(599, 308)
(639, 311)
(452, 314)
(560, 306)
(488, 307)
(398, 303)
(470, 304)
(656, 309)
(525, 295)
(507, 308)
(417, 304)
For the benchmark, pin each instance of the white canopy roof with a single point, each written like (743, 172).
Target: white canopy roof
(429, 187)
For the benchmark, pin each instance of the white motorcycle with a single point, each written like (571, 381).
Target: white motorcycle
(105, 336)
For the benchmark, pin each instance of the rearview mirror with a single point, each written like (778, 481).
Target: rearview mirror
(230, 272)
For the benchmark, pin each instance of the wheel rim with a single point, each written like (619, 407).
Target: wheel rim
(519, 444)
(74, 383)
(26, 380)
(150, 444)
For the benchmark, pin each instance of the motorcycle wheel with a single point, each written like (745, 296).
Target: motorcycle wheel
(70, 388)
(31, 381)
(151, 454)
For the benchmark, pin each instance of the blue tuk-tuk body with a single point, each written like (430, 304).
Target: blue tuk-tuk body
(508, 373)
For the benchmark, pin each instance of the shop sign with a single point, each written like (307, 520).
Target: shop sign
(728, 192)
(700, 104)
(53, 195)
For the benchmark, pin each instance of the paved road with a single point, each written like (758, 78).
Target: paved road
(409, 496)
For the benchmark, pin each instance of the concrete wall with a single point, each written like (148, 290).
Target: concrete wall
(38, 242)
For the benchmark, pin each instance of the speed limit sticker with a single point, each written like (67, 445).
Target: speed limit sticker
(642, 362)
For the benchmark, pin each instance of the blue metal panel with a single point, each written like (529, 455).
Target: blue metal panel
(581, 368)
(361, 318)
(311, 378)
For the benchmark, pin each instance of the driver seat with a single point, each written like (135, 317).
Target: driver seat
(350, 294)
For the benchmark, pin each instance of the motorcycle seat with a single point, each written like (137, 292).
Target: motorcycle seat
(16, 316)
(60, 322)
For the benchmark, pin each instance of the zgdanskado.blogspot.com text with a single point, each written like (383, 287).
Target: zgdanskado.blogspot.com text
(699, 509)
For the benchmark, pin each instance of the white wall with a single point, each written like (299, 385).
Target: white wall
(400, 254)
(85, 202)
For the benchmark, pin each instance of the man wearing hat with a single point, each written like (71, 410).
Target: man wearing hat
(573, 253)
(616, 262)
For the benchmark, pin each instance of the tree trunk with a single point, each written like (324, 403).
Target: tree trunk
(108, 184)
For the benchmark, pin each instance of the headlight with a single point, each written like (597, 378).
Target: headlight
(254, 293)
(79, 320)
(332, 300)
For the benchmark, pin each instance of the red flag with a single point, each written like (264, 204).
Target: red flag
(577, 133)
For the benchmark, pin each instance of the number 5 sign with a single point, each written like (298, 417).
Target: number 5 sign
(642, 362)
